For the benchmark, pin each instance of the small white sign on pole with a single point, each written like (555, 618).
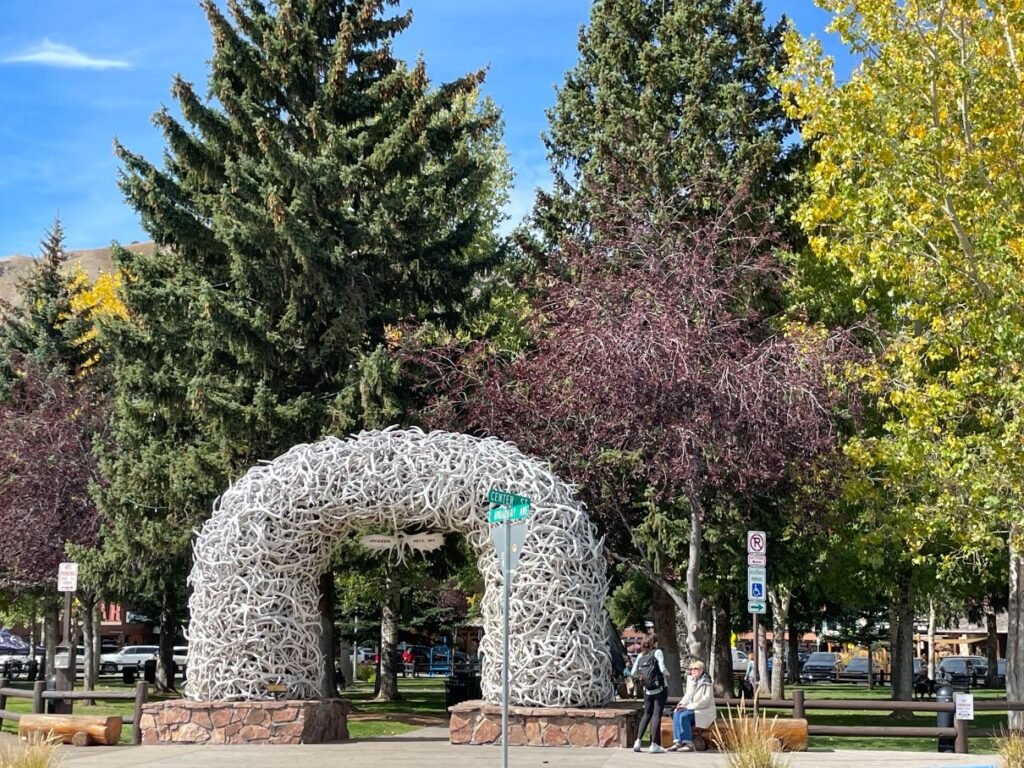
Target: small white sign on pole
(67, 577)
(964, 703)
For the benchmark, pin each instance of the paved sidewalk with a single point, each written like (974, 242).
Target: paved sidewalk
(429, 748)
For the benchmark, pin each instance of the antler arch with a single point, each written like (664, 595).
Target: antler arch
(258, 559)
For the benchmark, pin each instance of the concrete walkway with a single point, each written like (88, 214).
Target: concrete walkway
(429, 748)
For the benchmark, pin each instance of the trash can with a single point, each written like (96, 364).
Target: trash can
(128, 674)
(944, 692)
(149, 670)
(459, 688)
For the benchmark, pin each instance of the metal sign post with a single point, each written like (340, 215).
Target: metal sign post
(508, 529)
(67, 582)
(757, 593)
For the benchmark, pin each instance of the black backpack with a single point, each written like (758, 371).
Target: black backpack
(650, 672)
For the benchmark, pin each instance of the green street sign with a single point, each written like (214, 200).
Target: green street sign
(506, 499)
(513, 514)
(757, 606)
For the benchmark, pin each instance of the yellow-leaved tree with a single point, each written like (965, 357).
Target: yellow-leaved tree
(918, 194)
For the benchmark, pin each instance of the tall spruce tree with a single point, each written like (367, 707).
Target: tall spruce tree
(323, 197)
(667, 94)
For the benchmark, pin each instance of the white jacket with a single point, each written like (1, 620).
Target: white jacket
(700, 697)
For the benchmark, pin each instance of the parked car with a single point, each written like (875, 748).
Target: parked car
(856, 671)
(962, 671)
(129, 656)
(1001, 673)
(739, 663)
(820, 665)
(365, 655)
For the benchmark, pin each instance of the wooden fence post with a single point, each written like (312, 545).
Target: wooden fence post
(798, 704)
(960, 743)
(37, 696)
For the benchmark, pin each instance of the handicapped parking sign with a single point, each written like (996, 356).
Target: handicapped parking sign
(757, 581)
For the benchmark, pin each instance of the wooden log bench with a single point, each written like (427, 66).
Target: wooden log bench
(791, 733)
(79, 730)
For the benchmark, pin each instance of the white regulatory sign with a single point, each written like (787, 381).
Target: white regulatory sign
(757, 543)
(757, 560)
(67, 577)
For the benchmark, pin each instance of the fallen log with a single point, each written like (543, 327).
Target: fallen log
(79, 730)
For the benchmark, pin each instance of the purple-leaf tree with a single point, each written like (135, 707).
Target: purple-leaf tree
(661, 375)
(47, 427)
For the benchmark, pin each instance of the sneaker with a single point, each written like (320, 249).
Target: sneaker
(656, 749)
(636, 745)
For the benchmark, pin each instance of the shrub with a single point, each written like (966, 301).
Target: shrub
(749, 741)
(1011, 748)
(37, 752)
(365, 673)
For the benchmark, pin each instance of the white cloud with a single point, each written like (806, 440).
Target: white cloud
(51, 54)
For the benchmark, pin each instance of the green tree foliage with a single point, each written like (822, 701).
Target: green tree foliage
(917, 196)
(670, 92)
(324, 194)
(47, 324)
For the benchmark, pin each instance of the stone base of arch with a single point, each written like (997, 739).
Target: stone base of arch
(245, 722)
(613, 726)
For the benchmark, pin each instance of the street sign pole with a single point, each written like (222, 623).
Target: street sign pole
(508, 519)
(756, 682)
(757, 589)
(507, 560)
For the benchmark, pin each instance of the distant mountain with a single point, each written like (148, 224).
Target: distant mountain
(93, 261)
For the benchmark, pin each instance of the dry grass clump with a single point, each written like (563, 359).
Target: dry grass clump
(749, 741)
(38, 751)
(1011, 748)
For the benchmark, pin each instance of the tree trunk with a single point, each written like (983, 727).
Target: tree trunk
(51, 635)
(991, 648)
(90, 641)
(780, 597)
(1014, 635)
(328, 599)
(168, 631)
(388, 674)
(931, 640)
(793, 649)
(663, 611)
(762, 660)
(723, 676)
(901, 639)
(694, 624)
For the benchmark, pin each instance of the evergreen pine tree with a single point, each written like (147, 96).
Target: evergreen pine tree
(43, 325)
(323, 198)
(669, 95)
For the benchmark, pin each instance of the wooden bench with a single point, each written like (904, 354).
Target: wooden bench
(72, 729)
(791, 733)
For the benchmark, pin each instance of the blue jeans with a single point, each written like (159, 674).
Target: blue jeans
(682, 725)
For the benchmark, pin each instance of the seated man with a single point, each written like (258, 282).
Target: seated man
(696, 708)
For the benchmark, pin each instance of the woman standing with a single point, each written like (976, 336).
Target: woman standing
(649, 668)
(696, 708)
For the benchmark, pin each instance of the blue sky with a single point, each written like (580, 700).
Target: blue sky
(74, 74)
